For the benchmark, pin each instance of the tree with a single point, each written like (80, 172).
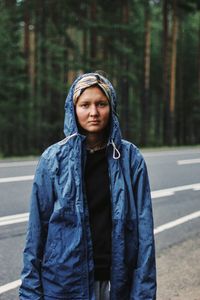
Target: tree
(13, 119)
(146, 79)
(173, 73)
(149, 50)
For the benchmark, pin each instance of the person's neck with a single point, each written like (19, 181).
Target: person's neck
(95, 140)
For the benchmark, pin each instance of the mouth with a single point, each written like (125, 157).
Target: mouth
(95, 122)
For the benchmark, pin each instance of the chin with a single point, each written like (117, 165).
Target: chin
(95, 130)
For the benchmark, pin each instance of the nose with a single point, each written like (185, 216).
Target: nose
(93, 110)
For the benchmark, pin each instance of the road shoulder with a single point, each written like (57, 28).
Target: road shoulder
(178, 271)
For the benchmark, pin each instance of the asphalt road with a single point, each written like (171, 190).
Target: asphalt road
(175, 183)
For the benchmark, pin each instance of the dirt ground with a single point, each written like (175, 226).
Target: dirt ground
(178, 271)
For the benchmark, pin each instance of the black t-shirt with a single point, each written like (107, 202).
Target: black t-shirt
(99, 205)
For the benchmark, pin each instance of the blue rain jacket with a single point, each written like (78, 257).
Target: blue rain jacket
(58, 258)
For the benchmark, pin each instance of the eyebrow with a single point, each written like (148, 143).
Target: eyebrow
(88, 100)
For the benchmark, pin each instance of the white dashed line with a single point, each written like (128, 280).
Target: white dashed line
(171, 191)
(188, 161)
(15, 179)
(14, 284)
(9, 286)
(20, 218)
(177, 222)
(18, 164)
(13, 219)
(169, 152)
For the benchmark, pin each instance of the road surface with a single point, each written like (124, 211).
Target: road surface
(175, 183)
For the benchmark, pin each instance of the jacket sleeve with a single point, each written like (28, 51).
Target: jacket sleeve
(40, 211)
(144, 276)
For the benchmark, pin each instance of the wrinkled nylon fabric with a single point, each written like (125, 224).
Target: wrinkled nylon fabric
(58, 258)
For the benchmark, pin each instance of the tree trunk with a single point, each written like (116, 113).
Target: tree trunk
(180, 103)
(93, 35)
(173, 73)
(124, 83)
(26, 36)
(146, 79)
(199, 56)
(85, 47)
(165, 73)
(37, 112)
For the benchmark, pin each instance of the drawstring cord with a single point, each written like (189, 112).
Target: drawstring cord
(116, 153)
(65, 140)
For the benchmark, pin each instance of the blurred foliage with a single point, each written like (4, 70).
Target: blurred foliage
(146, 48)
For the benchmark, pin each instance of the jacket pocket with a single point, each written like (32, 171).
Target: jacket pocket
(62, 267)
(63, 238)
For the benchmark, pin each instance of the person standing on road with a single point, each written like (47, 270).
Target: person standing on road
(90, 233)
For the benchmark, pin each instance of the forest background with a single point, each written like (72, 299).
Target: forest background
(150, 50)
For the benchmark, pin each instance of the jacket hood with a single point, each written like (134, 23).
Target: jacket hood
(70, 123)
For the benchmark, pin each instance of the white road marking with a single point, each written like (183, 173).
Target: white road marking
(13, 219)
(170, 152)
(14, 284)
(18, 164)
(20, 218)
(177, 222)
(9, 286)
(162, 193)
(188, 161)
(171, 191)
(16, 178)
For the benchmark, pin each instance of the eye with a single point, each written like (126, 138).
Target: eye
(84, 105)
(102, 103)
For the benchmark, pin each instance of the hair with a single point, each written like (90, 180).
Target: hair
(89, 80)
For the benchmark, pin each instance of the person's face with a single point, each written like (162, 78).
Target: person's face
(93, 110)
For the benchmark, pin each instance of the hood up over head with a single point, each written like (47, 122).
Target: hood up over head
(79, 85)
